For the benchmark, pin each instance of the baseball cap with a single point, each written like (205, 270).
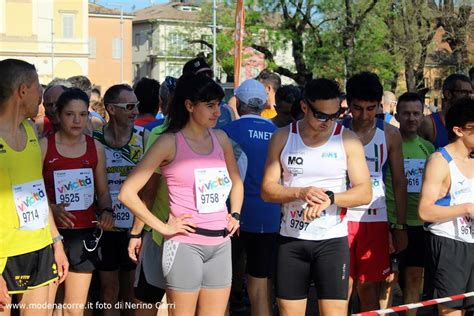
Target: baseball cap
(195, 66)
(252, 92)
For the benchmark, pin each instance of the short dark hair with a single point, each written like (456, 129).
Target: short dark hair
(71, 94)
(471, 73)
(451, 81)
(269, 78)
(81, 82)
(364, 86)
(196, 88)
(410, 97)
(461, 113)
(13, 73)
(148, 94)
(290, 94)
(112, 93)
(321, 89)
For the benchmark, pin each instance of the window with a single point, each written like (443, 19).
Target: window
(437, 83)
(116, 48)
(68, 25)
(92, 47)
(174, 70)
(177, 42)
(137, 41)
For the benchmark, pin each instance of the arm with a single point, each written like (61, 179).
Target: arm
(162, 152)
(436, 183)
(399, 184)
(106, 220)
(237, 191)
(272, 190)
(426, 129)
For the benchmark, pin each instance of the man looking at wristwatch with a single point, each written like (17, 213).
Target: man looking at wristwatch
(307, 167)
(368, 226)
(415, 152)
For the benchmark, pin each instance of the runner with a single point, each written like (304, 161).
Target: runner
(314, 157)
(286, 98)
(382, 144)
(74, 171)
(31, 252)
(124, 146)
(447, 207)
(415, 152)
(200, 170)
(250, 135)
(48, 124)
(433, 127)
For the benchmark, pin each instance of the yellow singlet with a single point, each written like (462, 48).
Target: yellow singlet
(23, 203)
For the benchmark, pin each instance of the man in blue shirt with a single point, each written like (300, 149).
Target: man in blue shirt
(260, 220)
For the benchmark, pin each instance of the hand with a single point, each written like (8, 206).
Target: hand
(232, 225)
(391, 247)
(313, 195)
(134, 248)
(63, 218)
(178, 225)
(4, 297)
(106, 221)
(312, 212)
(62, 263)
(470, 209)
(400, 240)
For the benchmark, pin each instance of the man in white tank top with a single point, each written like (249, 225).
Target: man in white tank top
(307, 167)
(368, 224)
(447, 207)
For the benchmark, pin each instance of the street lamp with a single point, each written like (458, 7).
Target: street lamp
(120, 5)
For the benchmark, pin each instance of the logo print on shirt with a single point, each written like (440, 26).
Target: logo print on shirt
(2, 150)
(295, 160)
(329, 155)
(53, 160)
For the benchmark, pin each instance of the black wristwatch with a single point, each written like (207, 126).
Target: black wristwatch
(130, 235)
(108, 210)
(236, 216)
(330, 194)
(398, 226)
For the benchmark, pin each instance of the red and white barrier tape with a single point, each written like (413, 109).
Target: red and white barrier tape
(416, 305)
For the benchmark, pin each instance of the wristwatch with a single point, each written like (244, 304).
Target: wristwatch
(58, 238)
(235, 215)
(130, 235)
(330, 194)
(398, 226)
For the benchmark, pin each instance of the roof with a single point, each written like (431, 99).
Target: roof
(171, 11)
(98, 9)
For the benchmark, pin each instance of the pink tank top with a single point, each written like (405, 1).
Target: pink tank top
(189, 177)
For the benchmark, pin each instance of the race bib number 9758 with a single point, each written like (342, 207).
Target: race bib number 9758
(212, 187)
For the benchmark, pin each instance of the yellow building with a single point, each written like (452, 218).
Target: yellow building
(51, 34)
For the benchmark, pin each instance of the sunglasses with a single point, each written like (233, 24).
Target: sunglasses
(126, 106)
(91, 243)
(321, 116)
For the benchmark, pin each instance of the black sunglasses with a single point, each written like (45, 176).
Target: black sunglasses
(321, 116)
(91, 242)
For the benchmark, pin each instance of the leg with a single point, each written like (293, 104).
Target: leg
(6, 311)
(386, 290)
(212, 302)
(182, 303)
(76, 288)
(35, 297)
(259, 296)
(109, 289)
(126, 289)
(368, 295)
(292, 307)
(411, 293)
(333, 307)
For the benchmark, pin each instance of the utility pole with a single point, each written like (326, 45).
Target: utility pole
(120, 5)
(214, 38)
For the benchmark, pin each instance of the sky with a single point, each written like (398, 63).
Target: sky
(129, 5)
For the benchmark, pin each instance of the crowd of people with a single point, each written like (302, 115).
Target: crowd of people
(167, 189)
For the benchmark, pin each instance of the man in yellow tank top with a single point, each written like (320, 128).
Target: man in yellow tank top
(31, 251)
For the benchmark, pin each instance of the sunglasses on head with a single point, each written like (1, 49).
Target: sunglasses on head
(126, 106)
(91, 242)
(323, 117)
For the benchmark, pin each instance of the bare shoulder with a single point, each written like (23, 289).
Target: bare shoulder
(221, 136)
(281, 134)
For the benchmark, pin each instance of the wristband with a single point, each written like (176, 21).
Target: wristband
(130, 235)
(58, 238)
(398, 226)
(236, 216)
(108, 210)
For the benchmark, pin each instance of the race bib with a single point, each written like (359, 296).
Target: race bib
(212, 187)
(414, 174)
(377, 186)
(295, 220)
(74, 187)
(123, 218)
(31, 204)
(465, 228)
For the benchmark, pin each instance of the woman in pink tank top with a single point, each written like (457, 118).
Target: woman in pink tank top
(199, 167)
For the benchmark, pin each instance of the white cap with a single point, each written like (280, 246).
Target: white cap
(252, 92)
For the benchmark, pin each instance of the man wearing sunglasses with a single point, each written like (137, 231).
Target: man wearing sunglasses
(433, 127)
(368, 224)
(124, 147)
(308, 169)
